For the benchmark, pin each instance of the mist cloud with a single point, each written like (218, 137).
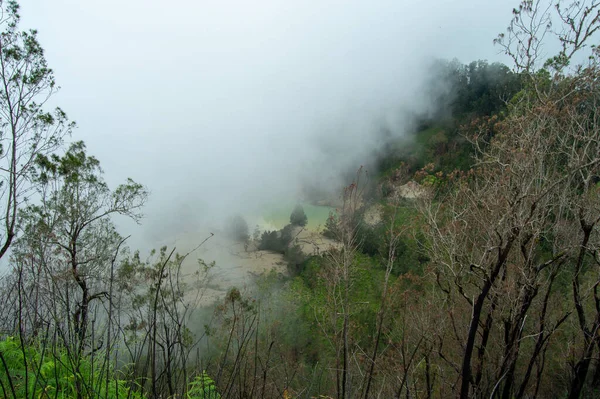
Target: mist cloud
(221, 105)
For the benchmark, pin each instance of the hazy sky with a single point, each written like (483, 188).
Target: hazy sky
(213, 104)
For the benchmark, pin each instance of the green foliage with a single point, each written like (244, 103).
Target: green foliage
(269, 241)
(479, 88)
(298, 217)
(310, 291)
(26, 129)
(203, 387)
(49, 373)
(276, 241)
(476, 91)
(371, 239)
(331, 226)
(295, 259)
(72, 228)
(73, 184)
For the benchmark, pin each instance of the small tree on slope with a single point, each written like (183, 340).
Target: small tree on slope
(298, 217)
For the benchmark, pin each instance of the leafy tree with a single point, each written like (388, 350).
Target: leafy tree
(26, 129)
(237, 229)
(67, 253)
(256, 234)
(484, 88)
(298, 217)
(475, 89)
(332, 226)
(276, 240)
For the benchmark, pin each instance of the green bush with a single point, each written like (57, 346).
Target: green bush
(371, 239)
(276, 241)
(331, 227)
(203, 387)
(298, 217)
(34, 371)
(296, 259)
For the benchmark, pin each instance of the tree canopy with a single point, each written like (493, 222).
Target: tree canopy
(298, 217)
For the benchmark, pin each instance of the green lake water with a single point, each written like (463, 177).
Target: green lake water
(279, 215)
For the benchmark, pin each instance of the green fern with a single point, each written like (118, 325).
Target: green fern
(55, 377)
(203, 387)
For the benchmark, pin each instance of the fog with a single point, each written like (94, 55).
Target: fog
(223, 106)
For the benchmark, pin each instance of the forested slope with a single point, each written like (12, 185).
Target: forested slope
(481, 283)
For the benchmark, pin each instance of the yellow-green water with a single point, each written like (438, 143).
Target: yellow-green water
(279, 215)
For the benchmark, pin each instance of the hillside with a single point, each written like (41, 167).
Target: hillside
(462, 260)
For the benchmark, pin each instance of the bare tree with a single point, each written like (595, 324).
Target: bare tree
(503, 231)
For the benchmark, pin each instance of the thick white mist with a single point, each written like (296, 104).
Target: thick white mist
(220, 106)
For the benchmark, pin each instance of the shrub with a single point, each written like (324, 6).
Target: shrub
(51, 374)
(331, 227)
(276, 241)
(298, 217)
(203, 387)
(371, 239)
(295, 259)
